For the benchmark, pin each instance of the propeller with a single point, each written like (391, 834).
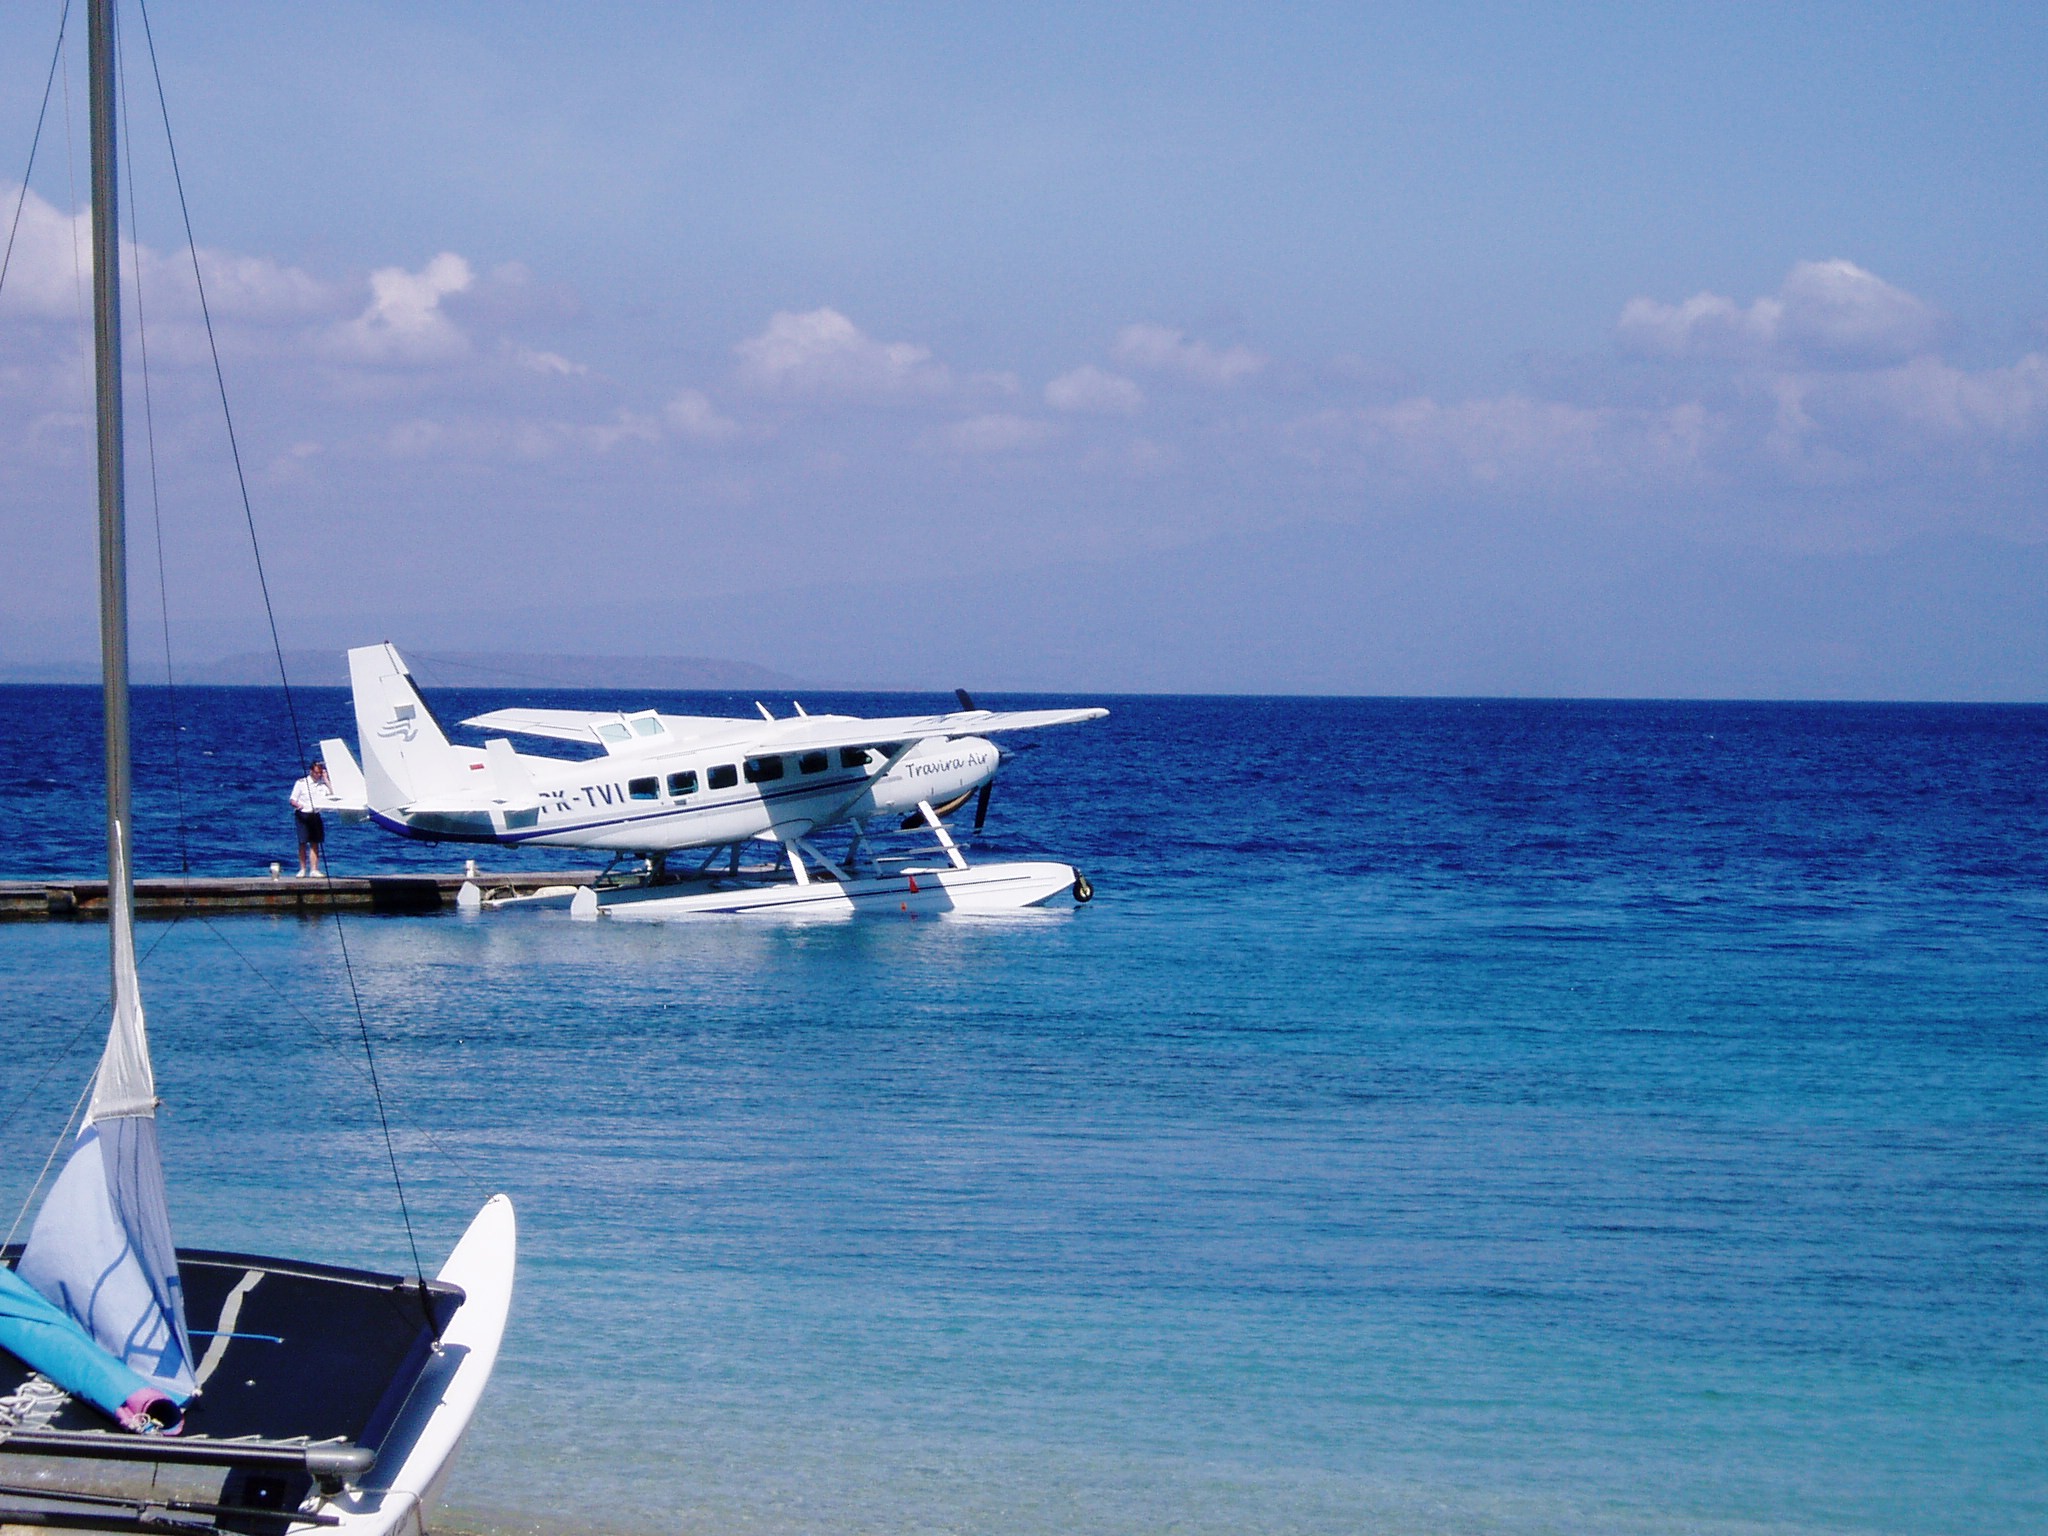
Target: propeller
(916, 818)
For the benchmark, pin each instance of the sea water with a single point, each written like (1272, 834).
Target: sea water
(1449, 1116)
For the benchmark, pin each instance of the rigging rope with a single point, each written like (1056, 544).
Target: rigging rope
(156, 503)
(77, 264)
(21, 201)
(277, 646)
(43, 1173)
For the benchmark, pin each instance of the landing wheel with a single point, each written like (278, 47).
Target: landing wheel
(1084, 892)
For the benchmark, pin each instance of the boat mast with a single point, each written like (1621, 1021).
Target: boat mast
(106, 356)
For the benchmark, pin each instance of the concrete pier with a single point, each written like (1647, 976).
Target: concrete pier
(35, 900)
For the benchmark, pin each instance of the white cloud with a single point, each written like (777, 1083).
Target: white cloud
(552, 364)
(49, 277)
(822, 353)
(1513, 441)
(51, 266)
(1919, 404)
(1093, 390)
(1705, 325)
(483, 437)
(252, 288)
(692, 414)
(995, 432)
(1823, 312)
(404, 321)
(1166, 350)
(1837, 307)
(627, 427)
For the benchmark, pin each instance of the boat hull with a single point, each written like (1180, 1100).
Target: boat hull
(419, 1451)
(322, 1388)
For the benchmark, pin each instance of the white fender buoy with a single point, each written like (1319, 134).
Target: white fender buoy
(469, 898)
(584, 903)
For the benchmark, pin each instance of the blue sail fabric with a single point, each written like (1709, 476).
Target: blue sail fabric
(101, 1250)
(44, 1338)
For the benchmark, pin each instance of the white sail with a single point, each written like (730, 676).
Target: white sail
(101, 1246)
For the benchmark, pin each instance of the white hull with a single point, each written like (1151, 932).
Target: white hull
(979, 888)
(419, 1451)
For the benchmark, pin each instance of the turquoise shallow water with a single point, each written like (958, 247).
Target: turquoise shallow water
(1448, 1117)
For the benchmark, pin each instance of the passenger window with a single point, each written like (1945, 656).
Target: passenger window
(763, 770)
(611, 730)
(681, 784)
(644, 789)
(853, 757)
(815, 762)
(724, 776)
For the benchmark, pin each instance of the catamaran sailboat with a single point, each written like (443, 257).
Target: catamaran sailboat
(144, 1387)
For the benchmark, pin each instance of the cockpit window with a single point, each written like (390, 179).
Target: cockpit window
(762, 770)
(724, 776)
(853, 757)
(814, 762)
(681, 784)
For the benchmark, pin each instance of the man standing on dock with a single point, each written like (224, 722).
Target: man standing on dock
(308, 795)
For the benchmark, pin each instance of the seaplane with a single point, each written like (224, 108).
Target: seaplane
(666, 785)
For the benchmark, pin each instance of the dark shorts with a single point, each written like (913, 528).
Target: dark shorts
(311, 828)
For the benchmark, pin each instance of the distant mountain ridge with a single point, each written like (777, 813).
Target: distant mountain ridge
(448, 669)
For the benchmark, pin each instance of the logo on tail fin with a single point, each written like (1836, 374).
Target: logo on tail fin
(403, 724)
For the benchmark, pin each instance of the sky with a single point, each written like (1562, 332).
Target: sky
(1449, 349)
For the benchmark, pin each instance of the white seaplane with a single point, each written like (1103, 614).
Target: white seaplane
(669, 783)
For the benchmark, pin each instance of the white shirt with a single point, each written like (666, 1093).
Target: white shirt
(309, 794)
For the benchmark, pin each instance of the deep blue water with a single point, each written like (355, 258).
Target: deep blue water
(1449, 1116)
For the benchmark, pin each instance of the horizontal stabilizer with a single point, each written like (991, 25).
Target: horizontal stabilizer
(510, 778)
(345, 778)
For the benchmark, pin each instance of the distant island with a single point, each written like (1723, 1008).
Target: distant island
(448, 669)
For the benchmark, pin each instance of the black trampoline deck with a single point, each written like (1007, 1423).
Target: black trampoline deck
(303, 1369)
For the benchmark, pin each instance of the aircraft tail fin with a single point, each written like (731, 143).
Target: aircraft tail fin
(407, 757)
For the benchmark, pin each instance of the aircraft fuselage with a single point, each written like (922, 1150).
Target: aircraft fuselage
(663, 801)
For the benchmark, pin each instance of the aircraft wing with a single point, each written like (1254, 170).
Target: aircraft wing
(559, 724)
(582, 725)
(793, 733)
(853, 731)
